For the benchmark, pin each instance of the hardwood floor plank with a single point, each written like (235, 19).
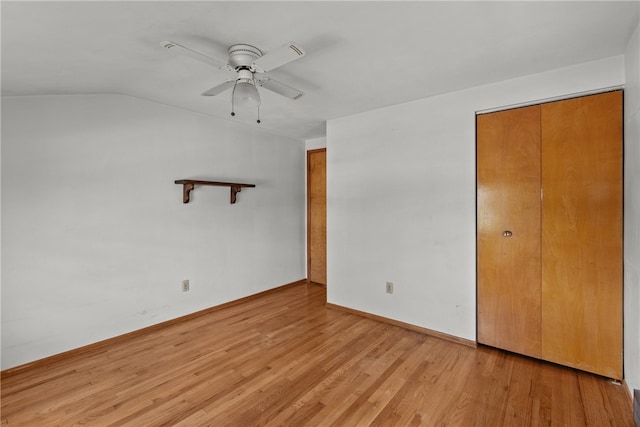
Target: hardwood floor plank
(285, 359)
(331, 371)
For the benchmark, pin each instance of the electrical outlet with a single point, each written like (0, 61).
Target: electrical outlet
(389, 287)
(185, 286)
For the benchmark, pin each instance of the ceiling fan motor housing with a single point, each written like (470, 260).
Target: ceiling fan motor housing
(242, 56)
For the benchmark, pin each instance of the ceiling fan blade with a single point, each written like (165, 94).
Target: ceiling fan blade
(220, 88)
(178, 48)
(283, 55)
(279, 87)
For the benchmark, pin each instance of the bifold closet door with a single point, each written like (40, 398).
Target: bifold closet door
(582, 233)
(508, 230)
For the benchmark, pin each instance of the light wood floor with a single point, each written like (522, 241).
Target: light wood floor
(285, 359)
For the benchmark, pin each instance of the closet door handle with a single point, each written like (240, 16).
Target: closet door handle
(507, 233)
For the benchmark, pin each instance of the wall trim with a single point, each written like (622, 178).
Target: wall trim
(551, 99)
(110, 341)
(409, 326)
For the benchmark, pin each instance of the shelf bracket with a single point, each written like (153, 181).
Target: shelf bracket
(186, 189)
(234, 191)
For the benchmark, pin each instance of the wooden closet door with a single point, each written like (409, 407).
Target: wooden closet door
(582, 233)
(508, 201)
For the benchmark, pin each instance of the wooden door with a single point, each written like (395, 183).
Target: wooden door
(508, 229)
(582, 233)
(316, 216)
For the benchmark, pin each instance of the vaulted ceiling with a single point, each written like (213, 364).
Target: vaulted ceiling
(359, 55)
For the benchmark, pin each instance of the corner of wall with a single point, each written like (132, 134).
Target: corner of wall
(632, 213)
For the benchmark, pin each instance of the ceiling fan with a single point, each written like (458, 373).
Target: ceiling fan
(251, 66)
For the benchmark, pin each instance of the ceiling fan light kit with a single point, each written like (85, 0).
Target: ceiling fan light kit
(245, 93)
(247, 60)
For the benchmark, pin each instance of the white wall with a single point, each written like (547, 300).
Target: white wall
(401, 198)
(316, 143)
(95, 237)
(632, 213)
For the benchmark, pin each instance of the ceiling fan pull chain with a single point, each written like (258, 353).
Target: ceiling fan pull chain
(233, 92)
(258, 121)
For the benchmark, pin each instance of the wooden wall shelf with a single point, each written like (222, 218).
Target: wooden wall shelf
(190, 184)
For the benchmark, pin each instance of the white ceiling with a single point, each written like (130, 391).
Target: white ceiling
(360, 55)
